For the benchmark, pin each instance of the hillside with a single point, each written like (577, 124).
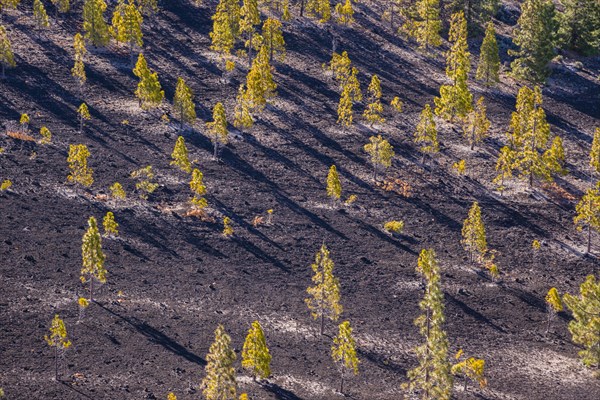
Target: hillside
(173, 278)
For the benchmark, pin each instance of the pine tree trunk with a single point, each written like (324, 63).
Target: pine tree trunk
(342, 381)
(322, 323)
(548, 322)
(215, 148)
(466, 381)
(589, 243)
(56, 363)
(302, 3)
(91, 288)
(271, 47)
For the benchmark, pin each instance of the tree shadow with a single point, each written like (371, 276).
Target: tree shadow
(279, 392)
(473, 313)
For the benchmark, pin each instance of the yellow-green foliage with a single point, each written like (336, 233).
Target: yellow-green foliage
(344, 110)
(78, 165)
(226, 20)
(397, 104)
(183, 103)
(57, 339)
(504, 167)
(242, 118)
(595, 152)
(83, 302)
(117, 191)
(63, 5)
(536, 245)
(426, 133)
(46, 135)
(149, 92)
(324, 300)
(473, 233)
(219, 382)
(218, 127)
(476, 124)
(553, 300)
(171, 396)
(586, 320)
(489, 59)
(259, 82)
(374, 110)
(460, 167)
(144, 184)
(39, 15)
(394, 226)
(273, 39)
(84, 114)
(24, 121)
(343, 351)
(334, 186)
(180, 156)
(111, 227)
(424, 24)
(255, 353)
(148, 7)
(227, 227)
(198, 188)
(7, 58)
(127, 24)
(340, 67)
(345, 13)
(381, 152)
(78, 70)
(588, 212)
(6, 184)
(243, 396)
(470, 368)
(350, 200)
(95, 27)
(92, 257)
(320, 9)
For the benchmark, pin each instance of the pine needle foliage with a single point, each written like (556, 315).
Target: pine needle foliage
(255, 353)
(149, 92)
(58, 339)
(373, 112)
(92, 257)
(198, 188)
(78, 165)
(218, 128)
(489, 58)
(334, 186)
(273, 39)
(476, 124)
(7, 58)
(95, 27)
(219, 382)
(40, 16)
(180, 156)
(424, 24)
(426, 133)
(111, 227)
(473, 232)
(343, 352)
(381, 153)
(588, 213)
(78, 70)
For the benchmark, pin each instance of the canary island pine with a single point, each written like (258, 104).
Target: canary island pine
(78, 165)
(334, 186)
(343, 352)
(180, 156)
(381, 153)
(219, 382)
(256, 358)
(111, 227)
(473, 233)
(58, 339)
(92, 257)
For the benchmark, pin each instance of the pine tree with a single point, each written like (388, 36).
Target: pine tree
(345, 13)
(324, 300)
(535, 35)
(222, 35)
(39, 15)
(144, 184)
(255, 353)
(218, 128)
(171, 396)
(334, 186)
(84, 115)
(58, 339)
(77, 159)
(117, 191)
(46, 135)
(149, 91)
(381, 152)
(341, 67)
(111, 227)
(424, 24)
(259, 83)
(250, 18)
(470, 368)
(127, 25)
(62, 6)
(78, 70)
(580, 26)
(7, 59)
(373, 112)
(595, 152)
(553, 304)
(320, 9)
(431, 378)
(148, 7)
(344, 111)
(273, 39)
(180, 156)
(343, 351)
(94, 25)
(588, 213)
(219, 383)
(476, 124)
(529, 136)
(354, 85)
(198, 188)
(426, 133)
(92, 257)
(242, 118)
(586, 320)
(473, 233)
(489, 58)
(456, 99)
(183, 103)
(504, 166)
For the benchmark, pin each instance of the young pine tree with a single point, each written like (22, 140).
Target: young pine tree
(259, 82)
(579, 28)
(424, 24)
(345, 13)
(319, 8)
(183, 103)
(46, 135)
(95, 27)
(58, 339)
(199, 189)
(595, 153)
(535, 35)
(341, 67)
(242, 118)
(218, 128)
(250, 18)
(431, 378)
(473, 233)
(92, 257)
(426, 134)
(586, 319)
(471, 369)
(476, 124)
(111, 227)
(149, 91)
(343, 352)
(40, 16)
(324, 300)
(127, 26)
(7, 58)
(78, 165)
(504, 167)
(219, 382)
(489, 58)
(180, 156)
(344, 110)
(273, 39)
(554, 305)
(381, 152)
(588, 213)
(373, 112)
(62, 6)
(334, 186)
(226, 20)
(255, 353)
(78, 70)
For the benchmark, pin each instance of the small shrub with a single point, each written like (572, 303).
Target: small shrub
(110, 225)
(394, 226)
(46, 135)
(117, 191)
(145, 185)
(6, 184)
(258, 220)
(227, 228)
(397, 104)
(24, 122)
(350, 200)
(460, 167)
(77, 159)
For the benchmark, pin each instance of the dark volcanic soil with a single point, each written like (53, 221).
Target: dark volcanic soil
(172, 278)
